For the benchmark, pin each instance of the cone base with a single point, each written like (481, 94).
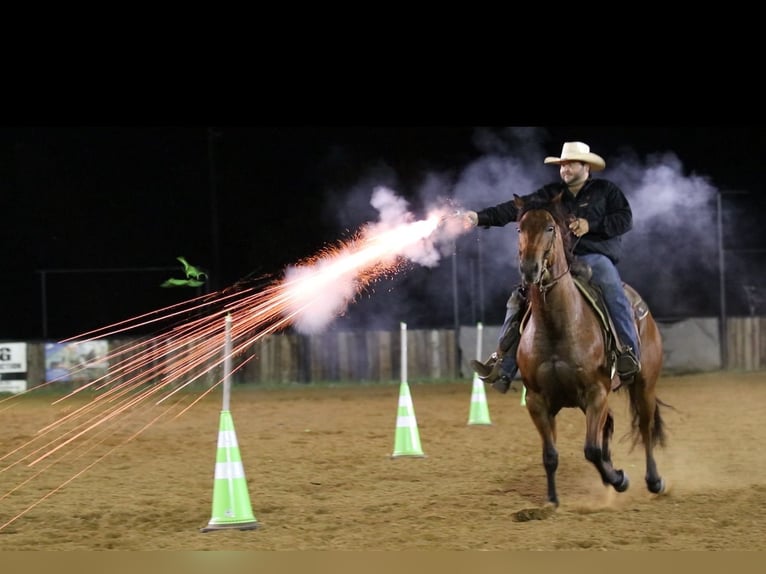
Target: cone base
(412, 455)
(486, 424)
(239, 526)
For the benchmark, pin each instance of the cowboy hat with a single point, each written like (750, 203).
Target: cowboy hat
(578, 151)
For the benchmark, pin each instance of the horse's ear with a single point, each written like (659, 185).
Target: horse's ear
(557, 198)
(519, 203)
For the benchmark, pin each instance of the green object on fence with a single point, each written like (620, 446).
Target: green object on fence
(182, 283)
(191, 271)
(194, 277)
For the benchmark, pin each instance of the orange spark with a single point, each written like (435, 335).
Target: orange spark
(153, 369)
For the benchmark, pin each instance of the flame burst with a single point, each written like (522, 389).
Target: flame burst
(146, 375)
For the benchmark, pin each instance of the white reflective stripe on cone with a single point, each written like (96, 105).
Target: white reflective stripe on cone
(405, 421)
(229, 470)
(227, 439)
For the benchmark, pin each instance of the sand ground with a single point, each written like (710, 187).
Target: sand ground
(320, 475)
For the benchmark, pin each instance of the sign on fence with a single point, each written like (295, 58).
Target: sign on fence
(13, 367)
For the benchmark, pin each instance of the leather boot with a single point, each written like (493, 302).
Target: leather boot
(627, 364)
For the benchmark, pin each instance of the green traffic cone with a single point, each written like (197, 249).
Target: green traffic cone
(231, 501)
(407, 439)
(479, 414)
(523, 402)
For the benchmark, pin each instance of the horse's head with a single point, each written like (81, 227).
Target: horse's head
(544, 253)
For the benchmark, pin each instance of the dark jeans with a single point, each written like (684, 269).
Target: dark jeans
(606, 276)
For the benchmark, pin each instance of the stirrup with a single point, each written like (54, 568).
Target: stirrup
(485, 369)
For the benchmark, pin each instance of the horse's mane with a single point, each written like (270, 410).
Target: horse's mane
(552, 206)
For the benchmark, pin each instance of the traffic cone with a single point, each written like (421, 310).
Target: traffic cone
(479, 414)
(231, 501)
(523, 396)
(407, 440)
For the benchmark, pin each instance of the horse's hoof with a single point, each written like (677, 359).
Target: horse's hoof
(623, 485)
(656, 486)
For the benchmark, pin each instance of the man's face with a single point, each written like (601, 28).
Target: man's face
(574, 172)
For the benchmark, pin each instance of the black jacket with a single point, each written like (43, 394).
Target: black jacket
(599, 201)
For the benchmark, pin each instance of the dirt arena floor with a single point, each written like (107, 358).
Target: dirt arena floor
(320, 475)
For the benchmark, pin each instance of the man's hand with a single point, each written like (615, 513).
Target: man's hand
(579, 227)
(467, 219)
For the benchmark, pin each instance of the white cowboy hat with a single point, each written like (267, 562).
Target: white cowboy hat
(578, 151)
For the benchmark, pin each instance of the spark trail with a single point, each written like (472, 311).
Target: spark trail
(146, 373)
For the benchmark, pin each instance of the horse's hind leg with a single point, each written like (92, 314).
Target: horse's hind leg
(647, 418)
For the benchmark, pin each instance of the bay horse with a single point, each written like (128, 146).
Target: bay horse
(563, 360)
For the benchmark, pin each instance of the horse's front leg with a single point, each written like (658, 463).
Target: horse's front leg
(545, 422)
(606, 438)
(598, 430)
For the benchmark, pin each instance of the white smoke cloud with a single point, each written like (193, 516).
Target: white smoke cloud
(670, 255)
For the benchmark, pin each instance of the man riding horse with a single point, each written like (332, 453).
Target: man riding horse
(599, 214)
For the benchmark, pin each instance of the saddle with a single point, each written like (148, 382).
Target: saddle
(593, 295)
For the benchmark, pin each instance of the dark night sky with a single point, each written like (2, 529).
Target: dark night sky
(97, 198)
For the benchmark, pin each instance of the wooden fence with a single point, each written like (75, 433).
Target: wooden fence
(365, 356)
(746, 338)
(375, 356)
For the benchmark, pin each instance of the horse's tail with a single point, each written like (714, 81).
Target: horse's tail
(640, 403)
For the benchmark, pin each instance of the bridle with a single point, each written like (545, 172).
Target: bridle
(545, 286)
